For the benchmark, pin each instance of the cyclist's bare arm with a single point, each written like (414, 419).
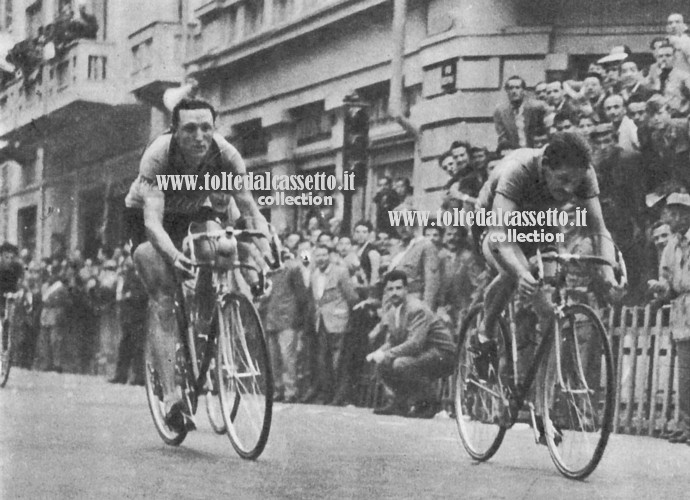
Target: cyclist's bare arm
(153, 209)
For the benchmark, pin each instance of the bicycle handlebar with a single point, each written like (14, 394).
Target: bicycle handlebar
(243, 234)
(618, 268)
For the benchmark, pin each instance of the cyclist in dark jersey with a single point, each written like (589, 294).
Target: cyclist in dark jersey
(537, 179)
(192, 147)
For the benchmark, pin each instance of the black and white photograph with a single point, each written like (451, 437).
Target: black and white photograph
(306, 249)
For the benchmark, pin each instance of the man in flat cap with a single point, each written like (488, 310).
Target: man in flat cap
(674, 284)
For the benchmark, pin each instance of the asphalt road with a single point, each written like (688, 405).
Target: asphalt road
(68, 436)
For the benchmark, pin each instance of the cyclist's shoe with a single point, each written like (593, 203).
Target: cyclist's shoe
(485, 357)
(177, 418)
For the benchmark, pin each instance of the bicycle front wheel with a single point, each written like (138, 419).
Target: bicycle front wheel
(579, 392)
(245, 382)
(213, 409)
(6, 352)
(481, 405)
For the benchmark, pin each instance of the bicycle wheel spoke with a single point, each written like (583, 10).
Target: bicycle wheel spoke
(480, 404)
(245, 382)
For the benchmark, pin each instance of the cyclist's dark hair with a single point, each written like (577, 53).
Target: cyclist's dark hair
(185, 104)
(365, 223)
(395, 275)
(567, 148)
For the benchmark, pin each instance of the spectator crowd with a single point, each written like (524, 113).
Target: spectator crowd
(392, 295)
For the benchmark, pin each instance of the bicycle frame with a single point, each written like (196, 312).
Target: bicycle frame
(519, 391)
(222, 283)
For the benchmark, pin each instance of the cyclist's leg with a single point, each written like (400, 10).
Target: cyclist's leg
(500, 290)
(159, 280)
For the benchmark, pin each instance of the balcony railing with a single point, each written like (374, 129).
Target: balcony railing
(156, 55)
(83, 72)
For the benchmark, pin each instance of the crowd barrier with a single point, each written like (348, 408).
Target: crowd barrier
(645, 365)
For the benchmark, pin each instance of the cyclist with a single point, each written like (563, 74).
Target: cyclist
(191, 147)
(536, 179)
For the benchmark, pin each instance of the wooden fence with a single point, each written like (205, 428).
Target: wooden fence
(644, 363)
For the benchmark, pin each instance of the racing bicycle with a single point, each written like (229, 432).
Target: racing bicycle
(222, 354)
(572, 371)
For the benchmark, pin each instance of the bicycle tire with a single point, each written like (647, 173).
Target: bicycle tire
(154, 395)
(213, 410)
(5, 352)
(472, 418)
(244, 376)
(588, 384)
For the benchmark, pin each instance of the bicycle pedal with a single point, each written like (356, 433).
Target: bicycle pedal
(189, 422)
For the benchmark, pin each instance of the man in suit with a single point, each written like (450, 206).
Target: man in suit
(334, 296)
(517, 120)
(420, 263)
(418, 350)
(285, 311)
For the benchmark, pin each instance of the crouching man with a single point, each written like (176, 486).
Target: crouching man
(418, 350)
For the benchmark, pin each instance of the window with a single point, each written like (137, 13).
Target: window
(26, 230)
(62, 74)
(97, 67)
(141, 56)
(377, 96)
(29, 172)
(312, 123)
(282, 10)
(33, 19)
(253, 13)
(64, 8)
(8, 14)
(250, 138)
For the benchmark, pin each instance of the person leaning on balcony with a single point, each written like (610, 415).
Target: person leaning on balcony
(674, 283)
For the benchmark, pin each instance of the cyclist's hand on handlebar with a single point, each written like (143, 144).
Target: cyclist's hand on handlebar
(184, 266)
(527, 284)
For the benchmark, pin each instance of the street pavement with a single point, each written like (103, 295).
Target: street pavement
(71, 436)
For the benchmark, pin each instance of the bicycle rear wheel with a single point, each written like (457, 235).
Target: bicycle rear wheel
(5, 352)
(481, 404)
(154, 395)
(245, 382)
(579, 392)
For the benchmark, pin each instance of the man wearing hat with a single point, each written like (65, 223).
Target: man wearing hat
(674, 284)
(612, 68)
